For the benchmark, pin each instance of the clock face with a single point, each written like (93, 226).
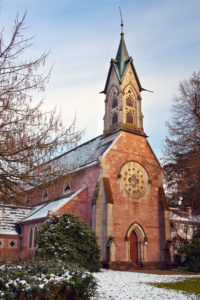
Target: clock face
(134, 179)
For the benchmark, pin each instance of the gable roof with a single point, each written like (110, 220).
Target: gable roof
(42, 210)
(10, 216)
(85, 154)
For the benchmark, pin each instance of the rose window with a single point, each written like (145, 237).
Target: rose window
(134, 179)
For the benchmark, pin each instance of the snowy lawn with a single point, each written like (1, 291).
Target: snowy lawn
(116, 285)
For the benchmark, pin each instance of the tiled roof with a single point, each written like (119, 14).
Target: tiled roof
(86, 153)
(74, 159)
(41, 211)
(10, 216)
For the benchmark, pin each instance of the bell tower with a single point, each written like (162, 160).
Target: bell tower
(122, 90)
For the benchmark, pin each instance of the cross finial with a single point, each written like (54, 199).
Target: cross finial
(122, 24)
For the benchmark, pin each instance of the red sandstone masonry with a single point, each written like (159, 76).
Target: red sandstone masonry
(81, 205)
(7, 251)
(78, 206)
(27, 252)
(131, 147)
(86, 177)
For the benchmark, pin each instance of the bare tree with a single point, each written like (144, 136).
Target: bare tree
(29, 137)
(182, 152)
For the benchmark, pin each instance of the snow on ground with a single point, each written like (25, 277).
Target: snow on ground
(116, 285)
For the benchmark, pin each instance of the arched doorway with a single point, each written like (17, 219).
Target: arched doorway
(136, 244)
(133, 248)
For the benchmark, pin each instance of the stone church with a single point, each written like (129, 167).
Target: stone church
(116, 185)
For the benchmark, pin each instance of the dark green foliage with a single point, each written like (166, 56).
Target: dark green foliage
(192, 255)
(196, 234)
(45, 280)
(177, 259)
(68, 238)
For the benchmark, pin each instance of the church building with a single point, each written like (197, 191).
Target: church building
(116, 185)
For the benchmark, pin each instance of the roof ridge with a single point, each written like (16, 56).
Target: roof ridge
(71, 150)
(67, 198)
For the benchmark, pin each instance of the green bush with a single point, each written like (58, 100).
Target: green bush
(45, 280)
(197, 234)
(68, 238)
(191, 253)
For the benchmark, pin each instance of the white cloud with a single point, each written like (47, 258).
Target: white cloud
(162, 36)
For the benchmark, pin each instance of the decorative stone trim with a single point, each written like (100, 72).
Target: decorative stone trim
(66, 188)
(134, 180)
(142, 243)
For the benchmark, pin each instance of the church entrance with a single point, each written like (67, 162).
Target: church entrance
(133, 248)
(136, 243)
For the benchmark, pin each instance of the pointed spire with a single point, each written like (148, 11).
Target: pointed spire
(122, 61)
(122, 54)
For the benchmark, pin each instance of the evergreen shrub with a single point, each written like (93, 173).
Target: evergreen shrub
(191, 253)
(67, 238)
(45, 280)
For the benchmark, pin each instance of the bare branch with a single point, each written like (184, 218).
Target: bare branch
(29, 137)
(182, 151)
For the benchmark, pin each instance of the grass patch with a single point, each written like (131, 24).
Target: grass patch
(189, 285)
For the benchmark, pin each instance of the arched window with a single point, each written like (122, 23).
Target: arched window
(45, 195)
(27, 199)
(67, 188)
(129, 102)
(129, 117)
(31, 237)
(114, 118)
(114, 103)
(34, 239)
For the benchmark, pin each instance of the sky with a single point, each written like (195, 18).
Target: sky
(162, 36)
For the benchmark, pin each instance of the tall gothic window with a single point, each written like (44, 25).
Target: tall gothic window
(114, 118)
(31, 237)
(27, 199)
(34, 239)
(129, 117)
(129, 102)
(114, 103)
(45, 195)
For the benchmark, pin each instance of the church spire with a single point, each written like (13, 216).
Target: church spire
(122, 89)
(122, 61)
(122, 56)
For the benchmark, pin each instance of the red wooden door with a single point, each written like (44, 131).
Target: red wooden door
(133, 248)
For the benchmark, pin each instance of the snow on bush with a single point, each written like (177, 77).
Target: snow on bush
(44, 280)
(69, 239)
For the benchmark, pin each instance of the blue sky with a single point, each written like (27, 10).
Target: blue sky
(163, 37)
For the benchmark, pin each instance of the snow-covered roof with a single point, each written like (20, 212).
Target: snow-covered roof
(80, 157)
(86, 153)
(183, 217)
(42, 210)
(10, 216)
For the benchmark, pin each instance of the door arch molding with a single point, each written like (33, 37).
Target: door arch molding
(141, 242)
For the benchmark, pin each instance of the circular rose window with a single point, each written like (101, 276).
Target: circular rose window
(134, 179)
